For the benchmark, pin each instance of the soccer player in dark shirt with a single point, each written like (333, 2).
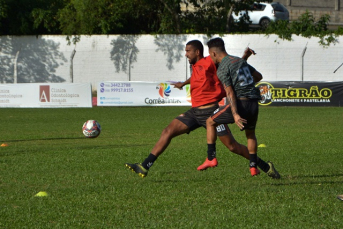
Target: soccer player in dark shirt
(238, 79)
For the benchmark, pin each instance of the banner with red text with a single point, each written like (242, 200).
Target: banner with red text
(46, 95)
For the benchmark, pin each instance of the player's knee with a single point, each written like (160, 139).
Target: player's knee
(233, 147)
(250, 134)
(210, 122)
(167, 132)
(229, 142)
(172, 131)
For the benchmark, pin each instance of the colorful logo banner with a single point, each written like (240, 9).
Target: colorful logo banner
(133, 93)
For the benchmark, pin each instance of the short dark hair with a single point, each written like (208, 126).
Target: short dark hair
(197, 45)
(216, 43)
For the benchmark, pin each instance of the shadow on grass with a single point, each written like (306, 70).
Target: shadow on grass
(74, 138)
(176, 180)
(41, 139)
(317, 181)
(98, 145)
(307, 182)
(108, 146)
(316, 176)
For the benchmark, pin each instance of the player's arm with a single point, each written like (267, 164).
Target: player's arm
(247, 53)
(231, 97)
(180, 85)
(257, 76)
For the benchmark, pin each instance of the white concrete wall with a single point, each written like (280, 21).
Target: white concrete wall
(157, 58)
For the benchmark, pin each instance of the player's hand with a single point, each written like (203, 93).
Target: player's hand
(247, 53)
(178, 85)
(239, 121)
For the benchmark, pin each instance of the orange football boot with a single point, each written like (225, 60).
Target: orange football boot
(208, 164)
(254, 171)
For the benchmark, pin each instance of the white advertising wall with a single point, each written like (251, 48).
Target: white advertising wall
(49, 59)
(47, 95)
(126, 93)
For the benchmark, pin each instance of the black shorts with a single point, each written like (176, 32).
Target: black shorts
(195, 118)
(247, 109)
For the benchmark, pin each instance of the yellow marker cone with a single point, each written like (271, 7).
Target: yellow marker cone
(41, 194)
(262, 145)
(4, 145)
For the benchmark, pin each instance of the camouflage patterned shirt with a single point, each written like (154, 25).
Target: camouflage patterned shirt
(236, 72)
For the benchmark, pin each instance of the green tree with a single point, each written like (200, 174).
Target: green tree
(109, 17)
(17, 16)
(93, 16)
(45, 18)
(306, 26)
(76, 17)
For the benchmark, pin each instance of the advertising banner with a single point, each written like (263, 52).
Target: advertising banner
(134, 93)
(286, 93)
(47, 95)
(274, 93)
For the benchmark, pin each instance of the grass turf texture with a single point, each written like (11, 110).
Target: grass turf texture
(88, 185)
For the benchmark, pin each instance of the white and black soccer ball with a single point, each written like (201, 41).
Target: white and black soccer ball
(91, 129)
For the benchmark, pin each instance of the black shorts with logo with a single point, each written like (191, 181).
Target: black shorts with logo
(247, 109)
(195, 118)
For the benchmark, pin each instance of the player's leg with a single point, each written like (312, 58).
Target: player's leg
(224, 115)
(267, 167)
(202, 116)
(251, 109)
(211, 132)
(237, 148)
(219, 116)
(226, 137)
(248, 109)
(211, 160)
(180, 125)
(213, 125)
(252, 148)
(175, 128)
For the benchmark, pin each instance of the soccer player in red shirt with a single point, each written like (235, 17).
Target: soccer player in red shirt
(206, 91)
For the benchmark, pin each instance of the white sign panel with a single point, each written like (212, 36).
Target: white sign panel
(130, 93)
(46, 95)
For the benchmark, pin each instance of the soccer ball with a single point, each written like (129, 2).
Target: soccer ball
(91, 129)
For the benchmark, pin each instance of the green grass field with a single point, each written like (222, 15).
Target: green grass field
(88, 185)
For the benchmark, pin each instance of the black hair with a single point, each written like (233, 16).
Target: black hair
(216, 43)
(197, 45)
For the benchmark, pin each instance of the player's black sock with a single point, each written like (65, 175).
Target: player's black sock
(262, 165)
(211, 151)
(149, 161)
(253, 160)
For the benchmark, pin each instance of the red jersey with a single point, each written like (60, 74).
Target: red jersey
(205, 85)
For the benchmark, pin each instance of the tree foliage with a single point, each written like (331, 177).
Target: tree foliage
(77, 17)
(306, 26)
